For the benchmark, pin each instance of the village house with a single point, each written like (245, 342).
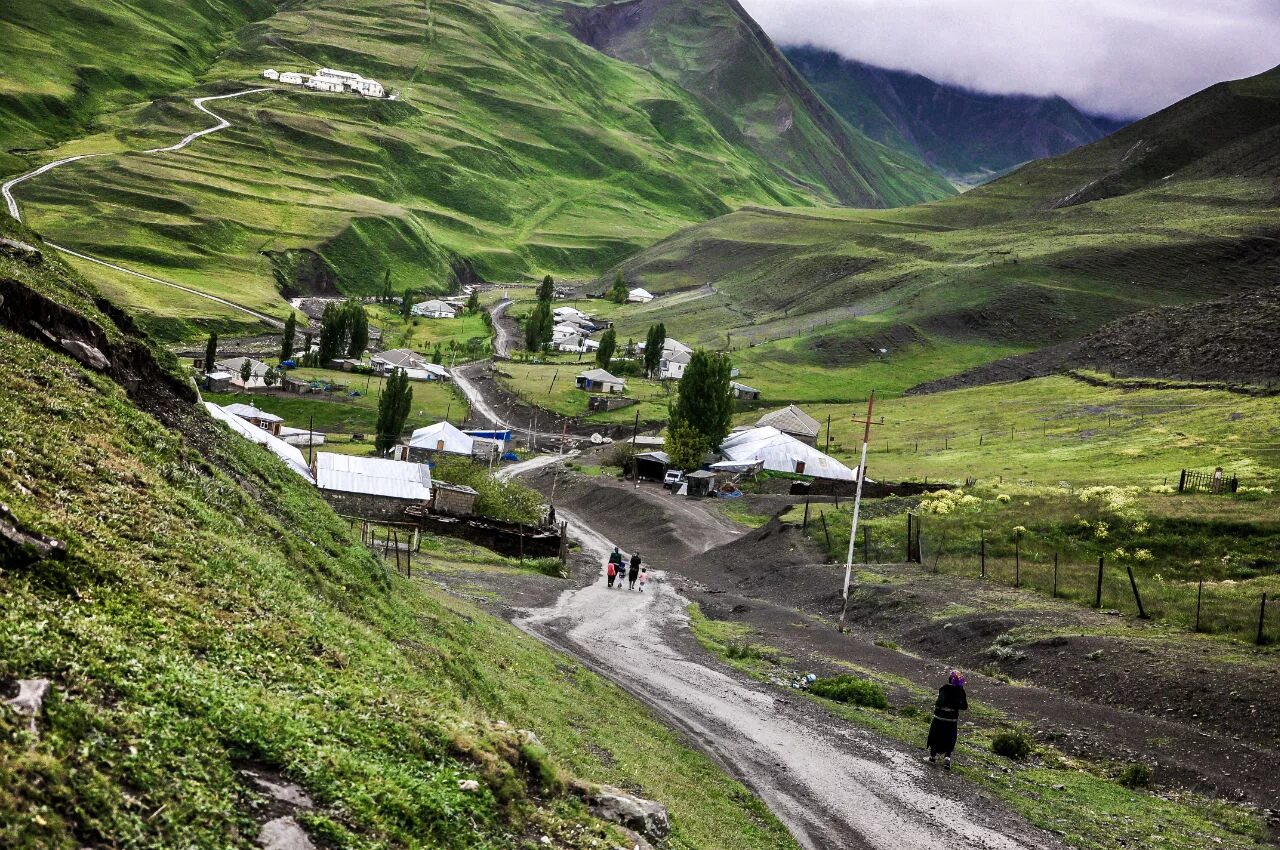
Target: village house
(371, 488)
(397, 358)
(235, 366)
(289, 454)
(218, 382)
(771, 449)
(436, 441)
(292, 78)
(639, 296)
(429, 372)
(600, 381)
(794, 422)
(675, 358)
(268, 422)
(271, 74)
(435, 309)
(743, 392)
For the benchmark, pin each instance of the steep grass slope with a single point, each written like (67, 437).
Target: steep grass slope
(970, 137)
(212, 615)
(66, 63)
(1023, 262)
(512, 150)
(716, 51)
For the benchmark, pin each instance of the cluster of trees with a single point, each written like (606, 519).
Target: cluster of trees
(344, 331)
(538, 328)
(393, 410)
(656, 338)
(618, 292)
(701, 414)
(608, 345)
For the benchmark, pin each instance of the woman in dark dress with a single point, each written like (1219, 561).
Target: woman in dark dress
(945, 728)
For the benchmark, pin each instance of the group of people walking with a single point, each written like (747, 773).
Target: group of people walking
(619, 570)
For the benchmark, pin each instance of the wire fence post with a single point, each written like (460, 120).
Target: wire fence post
(982, 553)
(1055, 575)
(1097, 599)
(805, 525)
(825, 531)
(1137, 597)
(1262, 621)
(1017, 559)
(1199, 596)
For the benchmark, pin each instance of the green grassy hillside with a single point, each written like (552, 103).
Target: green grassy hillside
(1017, 264)
(513, 150)
(68, 62)
(212, 614)
(716, 51)
(970, 137)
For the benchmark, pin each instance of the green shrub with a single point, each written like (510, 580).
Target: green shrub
(851, 690)
(1136, 775)
(750, 652)
(1015, 744)
(548, 567)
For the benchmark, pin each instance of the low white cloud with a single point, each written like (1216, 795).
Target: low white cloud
(1119, 57)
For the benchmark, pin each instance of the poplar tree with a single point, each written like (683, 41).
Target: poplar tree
(393, 410)
(210, 352)
(286, 344)
(653, 343)
(703, 401)
(547, 290)
(608, 344)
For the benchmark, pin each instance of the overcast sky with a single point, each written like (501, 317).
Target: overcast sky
(1119, 57)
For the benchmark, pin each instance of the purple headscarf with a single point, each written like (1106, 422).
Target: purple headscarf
(956, 678)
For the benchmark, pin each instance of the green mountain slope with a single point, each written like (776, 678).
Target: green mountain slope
(715, 50)
(213, 615)
(512, 150)
(967, 136)
(1186, 208)
(66, 63)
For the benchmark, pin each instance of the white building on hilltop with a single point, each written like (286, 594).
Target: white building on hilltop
(329, 80)
(271, 74)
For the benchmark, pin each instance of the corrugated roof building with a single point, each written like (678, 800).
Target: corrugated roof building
(370, 487)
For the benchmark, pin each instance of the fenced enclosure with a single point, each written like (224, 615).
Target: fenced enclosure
(1132, 588)
(1207, 482)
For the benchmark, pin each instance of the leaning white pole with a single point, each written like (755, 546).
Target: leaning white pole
(857, 506)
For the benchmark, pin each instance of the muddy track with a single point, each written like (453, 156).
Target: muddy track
(834, 786)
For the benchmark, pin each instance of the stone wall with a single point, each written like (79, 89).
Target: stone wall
(381, 508)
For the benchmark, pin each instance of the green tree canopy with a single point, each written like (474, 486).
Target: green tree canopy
(286, 344)
(608, 344)
(210, 352)
(703, 400)
(357, 326)
(618, 293)
(393, 410)
(653, 343)
(685, 446)
(246, 371)
(538, 327)
(473, 303)
(547, 289)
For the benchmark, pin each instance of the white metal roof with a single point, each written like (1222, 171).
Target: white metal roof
(400, 357)
(639, 293)
(234, 365)
(793, 420)
(287, 453)
(601, 376)
(430, 437)
(219, 376)
(742, 387)
(248, 411)
(781, 452)
(373, 476)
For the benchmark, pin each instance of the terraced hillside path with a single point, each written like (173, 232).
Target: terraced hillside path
(833, 785)
(6, 190)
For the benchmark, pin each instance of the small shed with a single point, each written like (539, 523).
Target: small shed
(744, 392)
(600, 381)
(371, 488)
(438, 440)
(639, 296)
(434, 309)
(701, 483)
(652, 466)
(218, 382)
(793, 422)
(453, 499)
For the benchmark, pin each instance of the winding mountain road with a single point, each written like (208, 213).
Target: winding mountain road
(6, 190)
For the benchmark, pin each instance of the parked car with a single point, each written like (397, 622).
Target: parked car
(673, 479)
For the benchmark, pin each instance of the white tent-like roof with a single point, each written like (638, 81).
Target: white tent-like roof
(781, 452)
(278, 447)
(248, 411)
(373, 476)
(442, 437)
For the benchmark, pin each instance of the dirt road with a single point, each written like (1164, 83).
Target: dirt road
(503, 328)
(833, 785)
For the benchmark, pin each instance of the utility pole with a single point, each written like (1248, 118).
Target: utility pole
(635, 467)
(857, 505)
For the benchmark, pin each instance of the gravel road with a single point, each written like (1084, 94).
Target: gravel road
(833, 785)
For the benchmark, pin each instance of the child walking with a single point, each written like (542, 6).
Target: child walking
(644, 578)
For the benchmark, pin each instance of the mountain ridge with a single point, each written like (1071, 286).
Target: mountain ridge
(968, 136)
